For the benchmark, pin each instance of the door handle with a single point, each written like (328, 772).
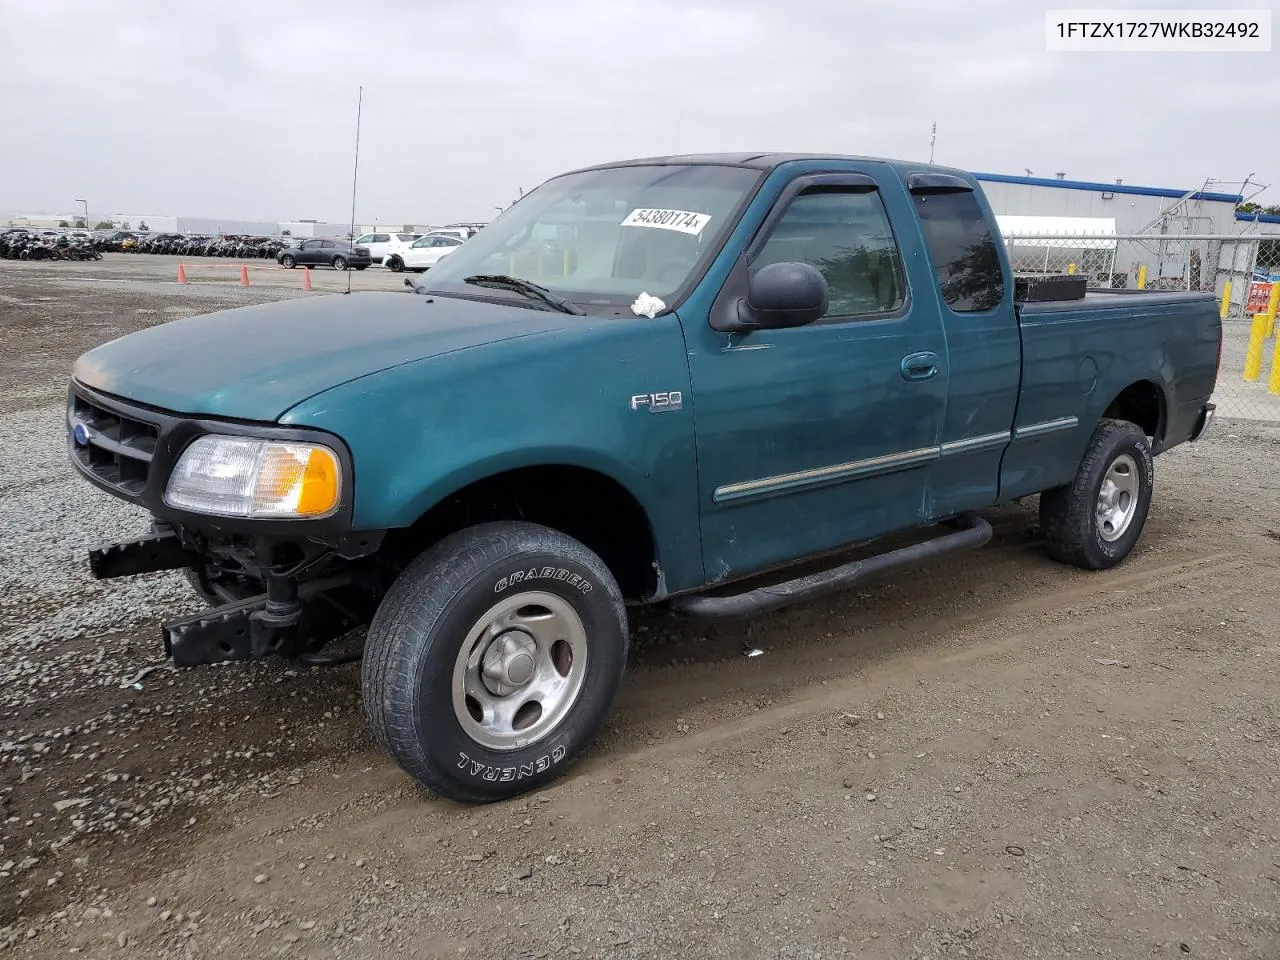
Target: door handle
(920, 366)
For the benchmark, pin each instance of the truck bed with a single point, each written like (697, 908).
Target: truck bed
(1121, 299)
(1079, 356)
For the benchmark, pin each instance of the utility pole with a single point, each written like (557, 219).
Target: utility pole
(933, 139)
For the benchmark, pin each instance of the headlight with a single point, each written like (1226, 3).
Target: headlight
(240, 477)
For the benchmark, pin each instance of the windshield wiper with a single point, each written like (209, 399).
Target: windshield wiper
(530, 290)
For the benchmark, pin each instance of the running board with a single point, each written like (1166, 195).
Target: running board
(974, 532)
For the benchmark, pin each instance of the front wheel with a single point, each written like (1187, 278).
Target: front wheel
(1095, 521)
(494, 659)
(288, 262)
(339, 263)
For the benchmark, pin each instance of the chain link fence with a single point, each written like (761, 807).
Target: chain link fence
(1242, 271)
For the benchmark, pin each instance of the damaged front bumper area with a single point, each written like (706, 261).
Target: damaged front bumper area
(274, 586)
(269, 608)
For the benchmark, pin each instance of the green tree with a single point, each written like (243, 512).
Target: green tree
(63, 223)
(105, 225)
(1250, 207)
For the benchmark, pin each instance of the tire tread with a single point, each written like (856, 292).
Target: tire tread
(414, 602)
(1066, 512)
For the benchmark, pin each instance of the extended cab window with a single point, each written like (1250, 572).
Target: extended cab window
(963, 250)
(845, 234)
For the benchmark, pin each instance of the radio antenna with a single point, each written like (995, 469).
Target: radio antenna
(354, 174)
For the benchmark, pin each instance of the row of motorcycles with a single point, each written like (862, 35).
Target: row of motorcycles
(20, 244)
(241, 247)
(28, 246)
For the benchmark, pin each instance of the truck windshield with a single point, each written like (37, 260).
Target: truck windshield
(602, 237)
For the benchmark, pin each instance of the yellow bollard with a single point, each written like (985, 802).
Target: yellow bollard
(1071, 268)
(1273, 383)
(1257, 339)
(1226, 301)
(1142, 276)
(1273, 304)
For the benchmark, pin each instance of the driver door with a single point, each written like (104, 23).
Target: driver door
(309, 252)
(816, 437)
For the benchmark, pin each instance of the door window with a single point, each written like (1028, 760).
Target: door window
(846, 235)
(965, 261)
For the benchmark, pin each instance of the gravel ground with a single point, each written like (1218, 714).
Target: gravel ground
(997, 758)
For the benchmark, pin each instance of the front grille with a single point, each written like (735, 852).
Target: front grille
(114, 447)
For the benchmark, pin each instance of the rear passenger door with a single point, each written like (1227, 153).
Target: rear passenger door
(814, 437)
(974, 292)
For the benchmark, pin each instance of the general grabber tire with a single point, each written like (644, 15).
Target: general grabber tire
(493, 660)
(1094, 521)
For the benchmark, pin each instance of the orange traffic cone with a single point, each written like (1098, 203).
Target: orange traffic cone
(182, 274)
(306, 278)
(244, 275)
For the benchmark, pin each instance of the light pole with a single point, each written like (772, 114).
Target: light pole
(86, 212)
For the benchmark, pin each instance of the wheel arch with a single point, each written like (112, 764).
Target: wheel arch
(583, 502)
(1144, 404)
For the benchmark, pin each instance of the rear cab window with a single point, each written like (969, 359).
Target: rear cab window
(962, 248)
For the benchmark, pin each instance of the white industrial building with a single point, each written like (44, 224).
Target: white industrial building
(1133, 209)
(1117, 233)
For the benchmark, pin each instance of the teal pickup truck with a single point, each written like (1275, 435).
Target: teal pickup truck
(666, 381)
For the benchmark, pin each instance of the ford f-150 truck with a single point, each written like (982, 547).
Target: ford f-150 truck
(672, 381)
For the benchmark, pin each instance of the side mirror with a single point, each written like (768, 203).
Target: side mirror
(783, 295)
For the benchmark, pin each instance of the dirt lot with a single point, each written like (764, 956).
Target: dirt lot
(997, 758)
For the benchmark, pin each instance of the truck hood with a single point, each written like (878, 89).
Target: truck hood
(254, 363)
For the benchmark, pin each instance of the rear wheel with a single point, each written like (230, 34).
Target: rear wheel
(339, 263)
(395, 265)
(494, 659)
(1095, 521)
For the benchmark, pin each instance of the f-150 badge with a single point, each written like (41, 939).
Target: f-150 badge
(658, 402)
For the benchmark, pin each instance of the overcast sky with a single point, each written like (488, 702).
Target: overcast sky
(247, 109)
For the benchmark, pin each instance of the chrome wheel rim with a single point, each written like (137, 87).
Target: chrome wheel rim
(519, 671)
(1117, 498)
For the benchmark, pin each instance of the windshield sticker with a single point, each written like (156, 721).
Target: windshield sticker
(681, 220)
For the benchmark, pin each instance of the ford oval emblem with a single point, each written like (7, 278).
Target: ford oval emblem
(81, 434)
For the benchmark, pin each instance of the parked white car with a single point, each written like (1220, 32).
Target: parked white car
(424, 253)
(383, 245)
